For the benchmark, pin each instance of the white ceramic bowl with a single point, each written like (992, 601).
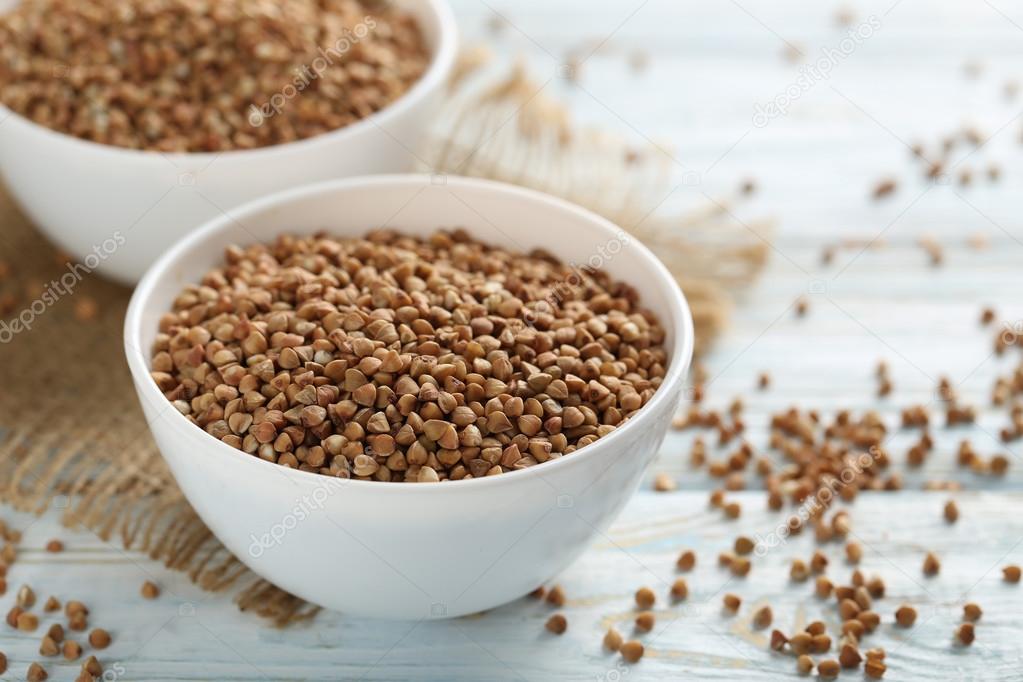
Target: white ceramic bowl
(121, 208)
(410, 550)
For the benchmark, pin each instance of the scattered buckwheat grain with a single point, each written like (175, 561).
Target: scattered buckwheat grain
(664, 483)
(998, 465)
(884, 188)
(869, 619)
(905, 616)
(951, 511)
(72, 650)
(26, 597)
(35, 673)
(828, 669)
(848, 608)
(965, 634)
(817, 627)
(740, 566)
(853, 552)
(931, 564)
(556, 624)
(28, 622)
(686, 560)
(78, 621)
(48, 647)
(92, 666)
(56, 633)
(632, 651)
(972, 612)
(849, 657)
(612, 640)
(99, 638)
(645, 598)
(645, 621)
(818, 562)
(874, 668)
(854, 629)
(801, 643)
(74, 606)
(820, 644)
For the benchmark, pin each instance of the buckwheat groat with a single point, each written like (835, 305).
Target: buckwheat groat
(392, 358)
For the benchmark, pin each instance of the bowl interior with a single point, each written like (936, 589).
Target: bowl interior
(501, 215)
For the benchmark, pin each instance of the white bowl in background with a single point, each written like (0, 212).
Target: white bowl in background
(410, 550)
(126, 207)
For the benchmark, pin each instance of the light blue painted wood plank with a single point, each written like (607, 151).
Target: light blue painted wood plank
(188, 634)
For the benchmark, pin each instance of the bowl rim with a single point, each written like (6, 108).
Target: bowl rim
(435, 77)
(680, 326)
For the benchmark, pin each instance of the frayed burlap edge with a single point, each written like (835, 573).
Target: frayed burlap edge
(131, 499)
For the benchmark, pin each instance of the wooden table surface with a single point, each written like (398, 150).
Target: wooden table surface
(709, 64)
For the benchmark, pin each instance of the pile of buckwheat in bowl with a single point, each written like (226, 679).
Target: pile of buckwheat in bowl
(395, 358)
(203, 75)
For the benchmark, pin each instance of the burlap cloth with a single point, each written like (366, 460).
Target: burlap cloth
(72, 434)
